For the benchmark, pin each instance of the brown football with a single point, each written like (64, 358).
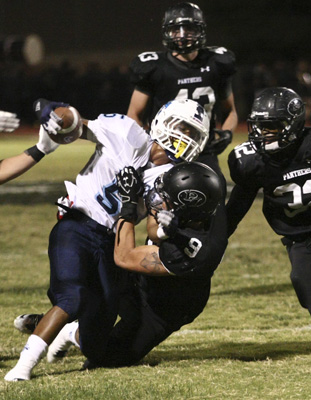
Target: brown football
(71, 125)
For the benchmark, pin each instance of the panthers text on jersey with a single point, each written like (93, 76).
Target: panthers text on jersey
(286, 187)
(163, 77)
(120, 142)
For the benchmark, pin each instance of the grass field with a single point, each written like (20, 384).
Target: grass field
(251, 342)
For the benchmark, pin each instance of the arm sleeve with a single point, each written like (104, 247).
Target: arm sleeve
(239, 203)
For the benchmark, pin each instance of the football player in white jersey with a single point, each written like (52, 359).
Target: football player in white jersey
(84, 278)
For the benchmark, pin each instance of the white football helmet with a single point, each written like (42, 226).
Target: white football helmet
(181, 127)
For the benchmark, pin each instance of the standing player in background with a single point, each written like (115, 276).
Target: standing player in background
(277, 159)
(190, 70)
(12, 167)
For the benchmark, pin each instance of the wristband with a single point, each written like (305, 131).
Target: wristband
(161, 234)
(35, 153)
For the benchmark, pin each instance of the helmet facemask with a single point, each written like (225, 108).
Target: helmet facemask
(183, 28)
(184, 36)
(270, 136)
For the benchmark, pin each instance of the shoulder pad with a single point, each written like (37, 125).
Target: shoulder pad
(142, 66)
(224, 58)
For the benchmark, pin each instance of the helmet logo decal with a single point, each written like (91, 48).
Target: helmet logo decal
(295, 107)
(192, 198)
(199, 113)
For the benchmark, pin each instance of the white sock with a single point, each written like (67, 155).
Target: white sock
(31, 354)
(72, 333)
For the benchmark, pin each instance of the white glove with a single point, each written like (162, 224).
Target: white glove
(52, 126)
(8, 121)
(168, 224)
(165, 217)
(45, 144)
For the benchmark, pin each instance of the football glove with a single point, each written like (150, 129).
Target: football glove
(8, 121)
(168, 224)
(218, 145)
(44, 110)
(130, 188)
(45, 144)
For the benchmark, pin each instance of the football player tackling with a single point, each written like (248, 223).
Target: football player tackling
(84, 279)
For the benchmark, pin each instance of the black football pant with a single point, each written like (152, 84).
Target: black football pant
(148, 318)
(300, 258)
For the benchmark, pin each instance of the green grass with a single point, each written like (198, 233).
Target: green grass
(251, 342)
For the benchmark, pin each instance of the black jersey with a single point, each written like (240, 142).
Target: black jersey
(196, 254)
(286, 187)
(163, 77)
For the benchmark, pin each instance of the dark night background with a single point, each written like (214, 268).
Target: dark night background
(104, 35)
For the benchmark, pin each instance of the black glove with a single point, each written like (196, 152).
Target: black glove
(130, 188)
(218, 145)
(43, 109)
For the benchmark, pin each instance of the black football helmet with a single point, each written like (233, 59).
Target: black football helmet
(183, 28)
(276, 121)
(193, 190)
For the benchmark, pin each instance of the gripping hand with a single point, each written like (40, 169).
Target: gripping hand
(168, 224)
(44, 110)
(45, 144)
(8, 121)
(219, 144)
(130, 188)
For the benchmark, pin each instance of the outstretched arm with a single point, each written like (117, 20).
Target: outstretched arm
(12, 167)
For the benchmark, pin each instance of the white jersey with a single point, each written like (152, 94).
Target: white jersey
(120, 142)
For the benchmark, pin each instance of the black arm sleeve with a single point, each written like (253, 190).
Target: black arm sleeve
(238, 205)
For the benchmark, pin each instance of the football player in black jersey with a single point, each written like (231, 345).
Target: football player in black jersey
(172, 285)
(277, 159)
(188, 69)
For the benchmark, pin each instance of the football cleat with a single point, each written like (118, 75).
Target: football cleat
(26, 323)
(16, 374)
(61, 344)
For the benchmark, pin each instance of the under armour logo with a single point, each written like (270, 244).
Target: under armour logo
(207, 69)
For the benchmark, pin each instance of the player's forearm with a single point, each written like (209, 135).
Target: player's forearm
(142, 259)
(13, 167)
(238, 205)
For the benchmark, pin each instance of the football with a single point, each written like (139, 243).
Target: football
(71, 123)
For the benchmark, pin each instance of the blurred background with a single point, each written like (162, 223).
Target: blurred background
(79, 51)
